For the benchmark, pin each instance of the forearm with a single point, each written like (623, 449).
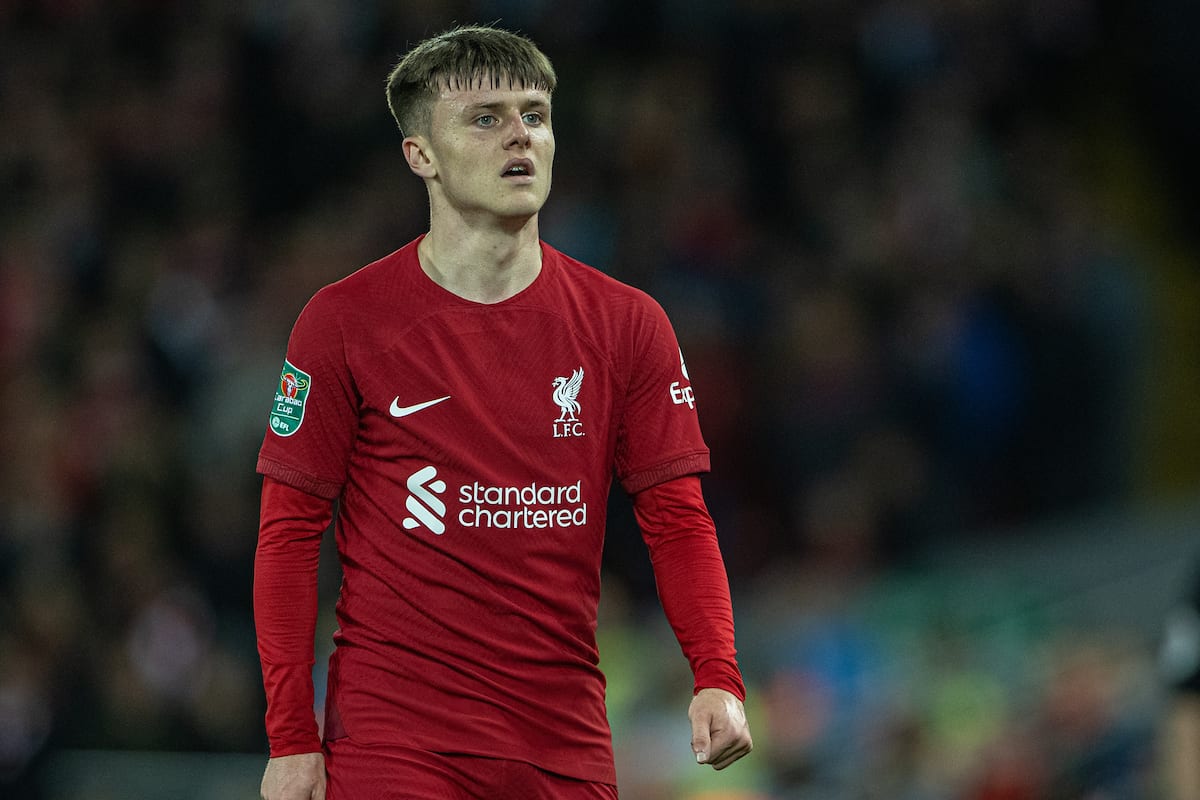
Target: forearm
(692, 583)
(285, 611)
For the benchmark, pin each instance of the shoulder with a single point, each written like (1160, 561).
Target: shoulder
(380, 276)
(602, 291)
(351, 312)
(364, 288)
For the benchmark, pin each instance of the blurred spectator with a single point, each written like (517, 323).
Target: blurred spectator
(1179, 662)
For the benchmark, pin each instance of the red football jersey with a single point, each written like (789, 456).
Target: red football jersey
(472, 447)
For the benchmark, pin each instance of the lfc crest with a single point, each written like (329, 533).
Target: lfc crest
(566, 396)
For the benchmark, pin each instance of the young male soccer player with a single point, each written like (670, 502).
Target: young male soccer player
(467, 400)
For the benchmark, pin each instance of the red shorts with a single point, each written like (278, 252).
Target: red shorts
(400, 773)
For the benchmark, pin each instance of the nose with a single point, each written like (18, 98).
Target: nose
(518, 133)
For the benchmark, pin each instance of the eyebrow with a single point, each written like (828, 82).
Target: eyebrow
(535, 103)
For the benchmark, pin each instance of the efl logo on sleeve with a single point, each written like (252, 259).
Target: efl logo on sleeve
(288, 411)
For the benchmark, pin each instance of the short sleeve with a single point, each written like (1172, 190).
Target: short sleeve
(658, 436)
(314, 408)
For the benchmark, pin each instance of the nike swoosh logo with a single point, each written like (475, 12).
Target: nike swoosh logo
(398, 410)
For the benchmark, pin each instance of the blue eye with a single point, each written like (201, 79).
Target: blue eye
(486, 120)
(532, 118)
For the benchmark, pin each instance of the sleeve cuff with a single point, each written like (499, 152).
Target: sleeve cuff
(720, 675)
(291, 721)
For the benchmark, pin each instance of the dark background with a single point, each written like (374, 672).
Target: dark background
(933, 264)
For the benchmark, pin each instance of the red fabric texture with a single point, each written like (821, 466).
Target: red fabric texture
(692, 582)
(285, 611)
(472, 494)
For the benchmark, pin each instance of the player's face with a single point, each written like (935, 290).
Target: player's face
(492, 150)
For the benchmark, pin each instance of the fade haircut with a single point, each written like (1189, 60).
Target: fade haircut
(458, 58)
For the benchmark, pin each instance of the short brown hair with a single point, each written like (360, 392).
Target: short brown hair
(459, 57)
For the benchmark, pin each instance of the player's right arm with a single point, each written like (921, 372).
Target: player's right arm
(291, 524)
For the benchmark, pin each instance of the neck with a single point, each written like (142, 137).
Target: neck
(484, 265)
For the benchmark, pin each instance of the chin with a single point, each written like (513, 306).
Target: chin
(518, 211)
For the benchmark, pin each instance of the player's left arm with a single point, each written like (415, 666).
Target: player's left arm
(694, 589)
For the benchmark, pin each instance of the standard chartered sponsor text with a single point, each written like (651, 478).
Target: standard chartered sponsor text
(532, 506)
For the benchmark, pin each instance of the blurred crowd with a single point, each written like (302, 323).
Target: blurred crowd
(918, 254)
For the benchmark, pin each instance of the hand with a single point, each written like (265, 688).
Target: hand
(720, 733)
(298, 777)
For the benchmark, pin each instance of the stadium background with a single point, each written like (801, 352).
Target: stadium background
(934, 267)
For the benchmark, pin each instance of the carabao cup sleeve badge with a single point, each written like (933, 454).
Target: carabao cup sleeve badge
(290, 395)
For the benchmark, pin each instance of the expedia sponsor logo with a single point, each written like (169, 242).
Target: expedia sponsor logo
(682, 395)
(533, 506)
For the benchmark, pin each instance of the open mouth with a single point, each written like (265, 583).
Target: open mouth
(517, 168)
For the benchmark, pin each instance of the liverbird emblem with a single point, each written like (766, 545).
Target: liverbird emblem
(566, 390)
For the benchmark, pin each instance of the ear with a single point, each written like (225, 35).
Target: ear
(419, 157)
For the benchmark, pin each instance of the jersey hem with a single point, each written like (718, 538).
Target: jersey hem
(293, 477)
(687, 465)
(592, 771)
